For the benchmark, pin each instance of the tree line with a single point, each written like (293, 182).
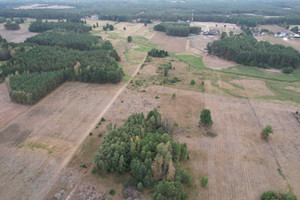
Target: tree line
(30, 88)
(247, 50)
(177, 29)
(158, 53)
(39, 26)
(73, 40)
(142, 148)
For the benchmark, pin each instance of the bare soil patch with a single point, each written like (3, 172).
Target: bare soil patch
(225, 27)
(293, 88)
(8, 109)
(17, 36)
(170, 43)
(293, 42)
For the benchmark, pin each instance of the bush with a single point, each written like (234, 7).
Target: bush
(112, 192)
(173, 96)
(83, 165)
(204, 181)
(205, 117)
(103, 119)
(129, 39)
(140, 186)
(271, 195)
(100, 135)
(267, 131)
(287, 70)
(193, 82)
(158, 53)
(90, 133)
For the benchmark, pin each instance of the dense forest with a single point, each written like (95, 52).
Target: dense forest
(60, 55)
(71, 40)
(143, 148)
(177, 29)
(39, 26)
(248, 51)
(145, 10)
(30, 88)
(4, 51)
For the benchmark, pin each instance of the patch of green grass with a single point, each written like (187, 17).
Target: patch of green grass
(259, 73)
(127, 77)
(191, 60)
(281, 92)
(296, 74)
(37, 145)
(144, 44)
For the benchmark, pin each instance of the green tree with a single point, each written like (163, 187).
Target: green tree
(129, 39)
(204, 181)
(193, 82)
(267, 131)
(205, 117)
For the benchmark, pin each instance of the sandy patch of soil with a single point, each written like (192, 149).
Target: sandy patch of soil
(293, 42)
(17, 36)
(293, 88)
(8, 109)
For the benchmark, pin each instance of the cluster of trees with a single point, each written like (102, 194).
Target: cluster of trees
(295, 29)
(271, 195)
(39, 26)
(11, 26)
(177, 29)
(30, 88)
(95, 65)
(108, 27)
(158, 53)
(4, 50)
(81, 41)
(142, 148)
(248, 51)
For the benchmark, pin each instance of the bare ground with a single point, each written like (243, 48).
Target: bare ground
(293, 42)
(17, 36)
(169, 43)
(8, 109)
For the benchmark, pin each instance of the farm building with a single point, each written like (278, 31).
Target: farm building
(212, 32)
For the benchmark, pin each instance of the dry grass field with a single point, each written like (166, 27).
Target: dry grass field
(9, 110)
(41, 151)
(17, 36)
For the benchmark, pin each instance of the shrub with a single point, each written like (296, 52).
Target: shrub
(112, 192)
(205, 117)
(267, 131)
(140, 186)
(100, 135)
(193, 82)
(173, 96)
(271, 195)
(83, 165)
(91, 133)
(103, 119)
(129, 39)
(156, 97)
(204, 181)
(287, 70)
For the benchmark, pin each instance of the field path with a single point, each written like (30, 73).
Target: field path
(55, 176)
